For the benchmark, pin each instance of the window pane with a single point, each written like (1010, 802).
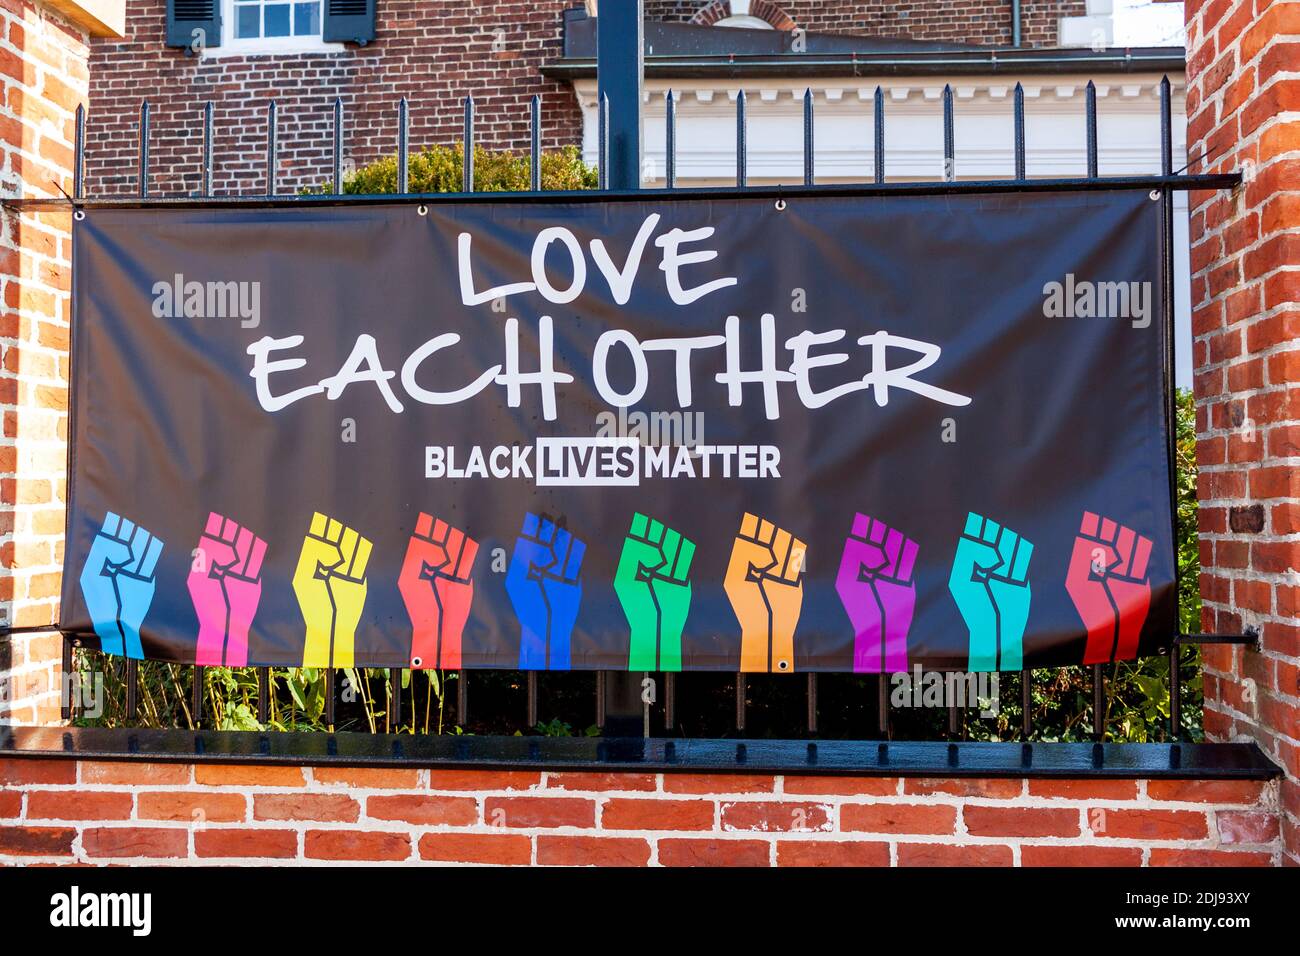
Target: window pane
(306, 19)
(277, 20)
(249, 21)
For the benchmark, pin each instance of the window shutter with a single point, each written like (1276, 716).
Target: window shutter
(194, 23)
(349, 21)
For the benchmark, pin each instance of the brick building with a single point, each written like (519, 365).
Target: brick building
(433, 54)
(1242, 99)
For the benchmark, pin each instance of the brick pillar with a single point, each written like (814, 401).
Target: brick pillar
(43, 69)
(1243, 100)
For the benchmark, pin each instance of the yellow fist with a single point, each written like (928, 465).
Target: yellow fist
(330, 583)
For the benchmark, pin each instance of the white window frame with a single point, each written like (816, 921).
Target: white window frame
(232, 45)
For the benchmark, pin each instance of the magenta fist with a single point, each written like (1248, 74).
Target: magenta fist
(876, 587)
(225, 585)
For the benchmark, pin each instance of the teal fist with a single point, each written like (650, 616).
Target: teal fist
(990, 583)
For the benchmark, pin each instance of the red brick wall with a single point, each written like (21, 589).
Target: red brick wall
(43, 73)
(1243, 98)
(955, 21)
(59, 811)
(432, 53)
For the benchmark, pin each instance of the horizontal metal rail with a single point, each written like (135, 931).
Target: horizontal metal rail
(1180, 183)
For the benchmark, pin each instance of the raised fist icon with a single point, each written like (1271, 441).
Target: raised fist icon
(876, 587)
(1108, 582)
(545, 589)
(330, 582)
(651, 584)
(437, 591)
(117, 582)
(225, 584)
(990, 583)
(764, 583)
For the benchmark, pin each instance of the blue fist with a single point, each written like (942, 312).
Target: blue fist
(543, 585)
(118, 584)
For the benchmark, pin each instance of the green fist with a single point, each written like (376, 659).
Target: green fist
(651, 584)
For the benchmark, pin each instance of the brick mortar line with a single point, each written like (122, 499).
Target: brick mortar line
(1087, 837)
(834, 825)
(892, 841)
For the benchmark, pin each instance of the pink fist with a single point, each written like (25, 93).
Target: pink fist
(225, 585)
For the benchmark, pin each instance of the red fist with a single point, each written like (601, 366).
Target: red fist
(437, 591)
(1108, 583)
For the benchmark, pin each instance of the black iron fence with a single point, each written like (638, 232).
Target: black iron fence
(657, 702)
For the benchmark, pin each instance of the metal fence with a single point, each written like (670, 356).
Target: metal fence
(619, 172)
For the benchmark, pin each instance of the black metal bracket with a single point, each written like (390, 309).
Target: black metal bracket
(1249, 638)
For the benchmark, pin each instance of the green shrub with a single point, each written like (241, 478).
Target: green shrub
(439, 169)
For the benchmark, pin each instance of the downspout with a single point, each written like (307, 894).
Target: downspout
(1015, 22)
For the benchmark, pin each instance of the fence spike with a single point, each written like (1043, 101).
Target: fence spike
(742, 145)
(1019, 110)
(467, 172)
(880, 134)
(143, 172)
(812, 702)
(1090, 115)
(79, 154)
(403, 160)
(808, 137)
(132, 675)
(535, 143)
(1098, 703)
(205, 185)
(67, 684)
(949, 138)
(271, 159)
(338, 146)
(740, 701)
(1026, 702)
(670, 141)
(196, 695)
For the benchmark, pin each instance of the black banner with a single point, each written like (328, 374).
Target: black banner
(818, 434)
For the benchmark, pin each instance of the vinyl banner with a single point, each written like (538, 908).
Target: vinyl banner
(811, 434)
